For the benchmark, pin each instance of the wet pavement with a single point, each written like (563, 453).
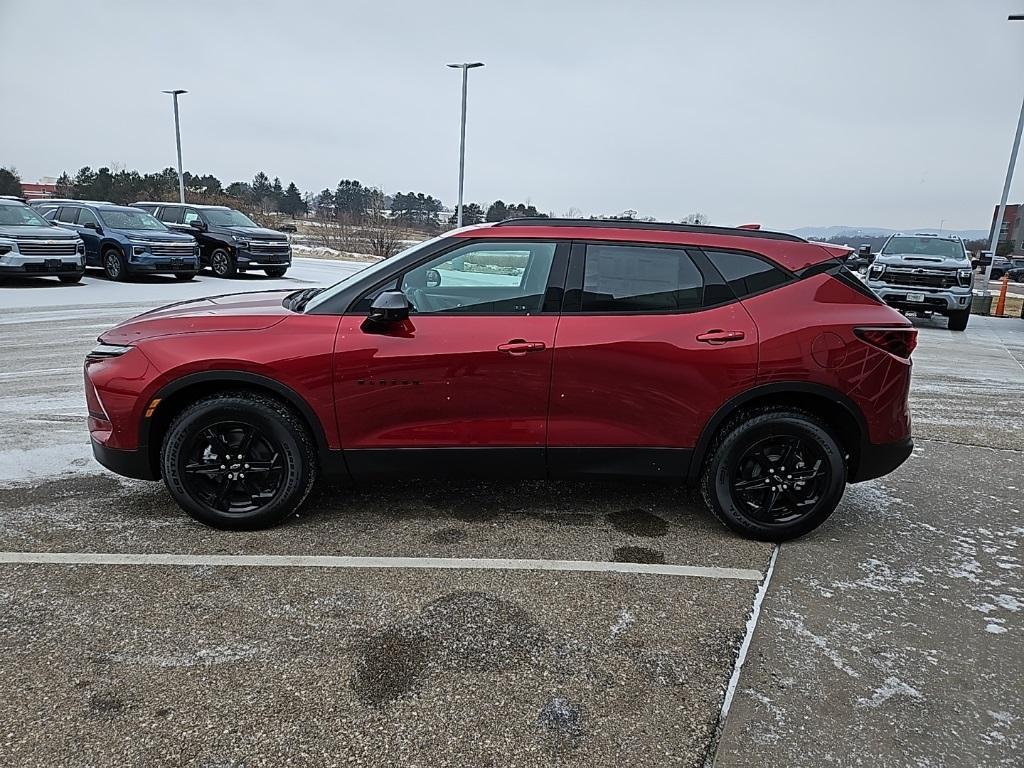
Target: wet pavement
(891, 636)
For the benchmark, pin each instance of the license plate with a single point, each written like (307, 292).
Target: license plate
(53, 263)
(915, 298)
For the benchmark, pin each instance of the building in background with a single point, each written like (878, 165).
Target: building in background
(1011, 234)
(43, 188)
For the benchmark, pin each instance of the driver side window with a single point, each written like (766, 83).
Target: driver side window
(498, 277)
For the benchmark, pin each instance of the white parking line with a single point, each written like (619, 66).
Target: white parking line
(327, 561)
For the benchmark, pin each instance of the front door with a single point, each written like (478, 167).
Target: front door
(649, 345)
(462, 387)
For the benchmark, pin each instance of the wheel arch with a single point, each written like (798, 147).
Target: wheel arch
(832, 406)
(178, 393)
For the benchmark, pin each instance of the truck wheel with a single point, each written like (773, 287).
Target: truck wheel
(70, 278)
(774, 474)
(184, 277)
(276, 271)
(958, 320)
(238, 461)
(113, 265)
(222, 264)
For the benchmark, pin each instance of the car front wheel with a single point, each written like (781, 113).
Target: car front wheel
(222, 264)
(238, 461)
(774, 474)
(276, 271)
(113, 265)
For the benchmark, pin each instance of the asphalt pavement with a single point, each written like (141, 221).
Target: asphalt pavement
(891, 636)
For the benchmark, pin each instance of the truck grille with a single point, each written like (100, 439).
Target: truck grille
(69, 248)
(921, 278)
(268, 247)
(171, 249)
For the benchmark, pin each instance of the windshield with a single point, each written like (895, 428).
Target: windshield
(378, 266)
(228, 218)
(21, 216)
(132, 220)
(924, 246)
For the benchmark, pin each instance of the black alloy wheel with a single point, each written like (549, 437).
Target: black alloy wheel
(774, 473)
(233, 468)
(222, 264)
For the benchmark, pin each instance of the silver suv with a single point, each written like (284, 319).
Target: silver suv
(925, 273)
(30, 246)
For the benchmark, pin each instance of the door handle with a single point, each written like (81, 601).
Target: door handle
(718, 336)
(521, 347)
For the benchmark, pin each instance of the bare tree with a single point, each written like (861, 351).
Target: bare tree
(574, 213)
(696, 218)
(381, 230)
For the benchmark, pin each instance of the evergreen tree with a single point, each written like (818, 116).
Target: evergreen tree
(292, 202)
(498, 211)
(471, 214)
(277, 194)
(10, 182)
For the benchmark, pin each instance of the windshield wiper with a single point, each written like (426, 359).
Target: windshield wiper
(297, 301)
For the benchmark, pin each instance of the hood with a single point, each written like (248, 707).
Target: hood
(233, 312)
(923, 262)
(38, 233)
(261, 232)
(157, 235)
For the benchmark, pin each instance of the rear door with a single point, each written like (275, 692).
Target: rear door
(462, 387)
(651, 342)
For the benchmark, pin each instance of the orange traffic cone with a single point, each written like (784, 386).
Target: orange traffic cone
(1001, 302)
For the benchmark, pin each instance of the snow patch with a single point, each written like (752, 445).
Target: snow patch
(622, 623)
(47, 461)
(892, 687)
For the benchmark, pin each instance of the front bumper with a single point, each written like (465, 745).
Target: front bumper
(935, 299)
(163, 264)
(881, 459)
(29, 266)
(131, 463)
(247, 260)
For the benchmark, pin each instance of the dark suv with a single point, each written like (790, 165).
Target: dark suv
(125, 241)
(229, 241)
(750, 363)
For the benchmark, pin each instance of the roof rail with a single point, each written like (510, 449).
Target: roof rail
(649, 225)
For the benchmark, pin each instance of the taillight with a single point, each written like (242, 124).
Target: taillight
(896, 341)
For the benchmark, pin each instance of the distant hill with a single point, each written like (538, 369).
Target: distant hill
(824, 233)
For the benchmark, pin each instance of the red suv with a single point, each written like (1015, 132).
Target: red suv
(751, 363)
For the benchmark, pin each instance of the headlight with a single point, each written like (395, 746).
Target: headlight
(81, 249)
(138, 250)
(876, 271)
(104, 351)
(243, 244)
(964, 276)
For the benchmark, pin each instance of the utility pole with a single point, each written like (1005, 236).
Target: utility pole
(462, 131)
(177, 141)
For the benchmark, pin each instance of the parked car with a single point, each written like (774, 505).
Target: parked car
(287, 228)
(230, 242)
(126, 242)
(1002, 265)
(32, 247)
(1016, 272)
(752, 363)
(925, 273)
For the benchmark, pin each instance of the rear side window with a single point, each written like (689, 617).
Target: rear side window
(747, 274)
(85, 216)
(170, 215)
(628, 278)
(67, 215)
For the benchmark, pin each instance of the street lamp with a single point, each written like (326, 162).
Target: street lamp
(1006, 187)
(177, 140)
(462, 132)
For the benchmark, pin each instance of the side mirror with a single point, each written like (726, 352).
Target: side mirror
(390, 307)
(433, 278)
(92, 225)
(198, 224)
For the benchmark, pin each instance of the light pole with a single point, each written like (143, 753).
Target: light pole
(462, 131)
(177, 141)
(1006, 187)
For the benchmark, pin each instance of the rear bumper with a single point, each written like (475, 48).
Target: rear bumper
(881, 459)
(133, 463)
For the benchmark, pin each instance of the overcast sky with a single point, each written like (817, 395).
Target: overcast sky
(892, 113)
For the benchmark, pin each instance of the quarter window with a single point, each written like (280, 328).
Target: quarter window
(499, 278)
(746, 274)
(627, 278)
(170, 214)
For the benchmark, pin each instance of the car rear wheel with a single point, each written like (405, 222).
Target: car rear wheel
(958, 320)
(774, 474)
(113, 265)
(238, 461)
(276, 271)
(184, 276)
(222, 264)
(70, 278)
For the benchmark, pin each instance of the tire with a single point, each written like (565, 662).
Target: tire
(997, 274)
(222, 264)
(958, 320)
(743, 453)
(213, 489)
(184, 277)
(70, 279)
(113, 265)
(276, 271)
